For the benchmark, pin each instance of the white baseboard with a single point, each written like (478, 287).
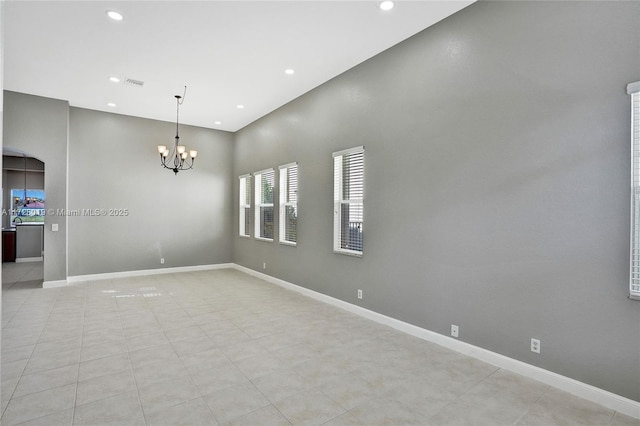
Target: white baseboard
(126, 274)
(54, 284)
(29, 259)
(605, 398)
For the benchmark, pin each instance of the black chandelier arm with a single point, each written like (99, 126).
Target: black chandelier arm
(178, 163)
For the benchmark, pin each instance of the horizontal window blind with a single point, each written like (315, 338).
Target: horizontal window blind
(264, 184)
(634, 287)
(289, 204)
(245, 205)
(349, 201)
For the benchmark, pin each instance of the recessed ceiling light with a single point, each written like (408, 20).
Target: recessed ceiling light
(240, 106)
(217, 123)
(289, 71)
(386, 5)
(116, 16)
(114, 79)
(111, 104)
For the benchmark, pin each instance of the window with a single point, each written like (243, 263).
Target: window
(264, 204)
(27, 206)
(245, 204)
(634, 287)
(289, 204)
(348, 195)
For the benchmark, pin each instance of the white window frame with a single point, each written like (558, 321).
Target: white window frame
(339, 201)
(257, 190)
(633, 89)
(245, 205)
(286, 203)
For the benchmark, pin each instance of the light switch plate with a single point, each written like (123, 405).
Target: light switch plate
(54, 227)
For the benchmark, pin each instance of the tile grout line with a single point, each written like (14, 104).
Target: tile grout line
(135, 381)
(189, 374)
(75, 397)
(21, 305)
(34, 347)
(174, 349)
(107, 356)
(46, 415)
(533, 404)
(232, 363)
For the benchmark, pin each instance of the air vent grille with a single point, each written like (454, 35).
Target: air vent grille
(133, 82)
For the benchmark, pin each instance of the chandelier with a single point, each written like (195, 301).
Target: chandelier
(177, 158)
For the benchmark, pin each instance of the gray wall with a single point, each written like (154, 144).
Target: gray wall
(113, 164)
(497, 184)
(38, 127)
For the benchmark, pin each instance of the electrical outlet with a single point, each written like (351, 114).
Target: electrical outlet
(359, 294)
(455, 331)
(162, 260)
(264, 265)
(535, 345)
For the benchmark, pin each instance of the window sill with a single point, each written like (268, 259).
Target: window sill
(267, 240)
(348, 252)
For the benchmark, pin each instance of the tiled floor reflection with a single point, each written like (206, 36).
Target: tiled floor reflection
(222, 347)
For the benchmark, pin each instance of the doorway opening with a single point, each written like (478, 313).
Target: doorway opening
(23, 215)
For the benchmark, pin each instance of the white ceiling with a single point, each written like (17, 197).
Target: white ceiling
(226, 52)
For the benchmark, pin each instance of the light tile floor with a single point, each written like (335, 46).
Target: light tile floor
(222, 347)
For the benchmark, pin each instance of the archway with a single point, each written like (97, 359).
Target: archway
(23, 207)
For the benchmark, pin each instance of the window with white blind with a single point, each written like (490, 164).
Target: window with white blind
(263, 223)
(348, 197)
(289, 204)
(634, 287)
(245, 205)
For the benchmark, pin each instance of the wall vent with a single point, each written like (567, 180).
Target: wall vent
(132, 82)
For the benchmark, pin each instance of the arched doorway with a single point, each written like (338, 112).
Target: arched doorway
(23, 208)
